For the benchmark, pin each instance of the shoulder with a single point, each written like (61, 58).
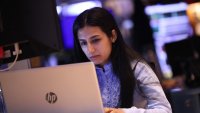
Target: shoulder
(139, 65)
(143, 72)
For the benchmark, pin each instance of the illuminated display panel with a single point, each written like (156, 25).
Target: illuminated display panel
(169, 23)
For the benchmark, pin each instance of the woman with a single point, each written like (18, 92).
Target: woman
(127, 84)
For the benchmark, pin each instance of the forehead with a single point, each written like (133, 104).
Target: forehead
(90, 31)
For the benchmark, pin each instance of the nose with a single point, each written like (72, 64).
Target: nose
(90, 48)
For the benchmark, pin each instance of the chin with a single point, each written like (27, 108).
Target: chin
(96, 63)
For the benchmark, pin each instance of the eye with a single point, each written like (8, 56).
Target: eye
(83, 43)
(95, 40)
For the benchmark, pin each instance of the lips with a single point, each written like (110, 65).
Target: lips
(94, 57)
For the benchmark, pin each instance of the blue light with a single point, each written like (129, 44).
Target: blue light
(77, 8)
(68, 13)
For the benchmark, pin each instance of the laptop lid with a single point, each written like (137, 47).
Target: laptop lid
(71, 88)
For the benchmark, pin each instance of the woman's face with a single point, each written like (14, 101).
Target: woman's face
(96, 45)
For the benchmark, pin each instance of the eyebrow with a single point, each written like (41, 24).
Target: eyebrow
(89, 38)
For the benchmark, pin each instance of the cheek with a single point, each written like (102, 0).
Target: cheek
(107, 51)
(84, 49)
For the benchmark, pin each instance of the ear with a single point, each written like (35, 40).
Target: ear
(114, 36)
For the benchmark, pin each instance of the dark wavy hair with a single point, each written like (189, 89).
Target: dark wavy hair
(121, 55)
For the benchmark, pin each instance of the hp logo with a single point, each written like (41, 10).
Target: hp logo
(51, 97)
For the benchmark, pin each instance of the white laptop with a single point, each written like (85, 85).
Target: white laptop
(71, 88)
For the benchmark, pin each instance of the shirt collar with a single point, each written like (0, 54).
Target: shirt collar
(106, 67)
